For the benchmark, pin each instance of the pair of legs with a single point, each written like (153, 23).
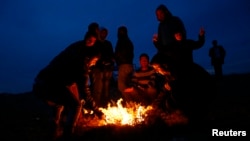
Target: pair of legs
(63, 99)
(144, 96)
(125, 72)
(218, 71)
(101, 79)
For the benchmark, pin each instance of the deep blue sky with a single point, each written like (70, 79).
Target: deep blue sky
(32, 32)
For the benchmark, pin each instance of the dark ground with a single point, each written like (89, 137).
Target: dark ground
(23, 117)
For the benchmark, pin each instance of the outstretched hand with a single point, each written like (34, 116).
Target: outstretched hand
(202, 31)
(155, 38)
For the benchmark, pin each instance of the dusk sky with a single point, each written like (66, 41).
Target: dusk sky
(32, 32)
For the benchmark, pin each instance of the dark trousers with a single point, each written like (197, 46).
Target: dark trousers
(141, 95)
(125, 72)
(218, 71)
(101, 79)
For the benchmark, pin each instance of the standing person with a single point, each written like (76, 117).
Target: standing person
(124, 55)
(103, 70)
(64, 82)
(188, 70)
(217, 54)
(169, 25)
(143, 84)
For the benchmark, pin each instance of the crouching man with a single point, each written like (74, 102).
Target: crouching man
(64, 82)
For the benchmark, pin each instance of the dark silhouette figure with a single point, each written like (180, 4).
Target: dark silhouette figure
(103, 70)
(63, 83)
(181, 57)
(217, 54)
(124, 55)
(169, 25)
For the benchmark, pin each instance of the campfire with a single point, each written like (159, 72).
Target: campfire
(132, 114)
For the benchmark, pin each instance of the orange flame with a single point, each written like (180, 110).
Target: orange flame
(119, 115)
(131, 115)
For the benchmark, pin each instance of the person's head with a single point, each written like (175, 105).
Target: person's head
(144, 60)
(90, 38)
(162, 13)
(93, 27)
(214, 42)
(103, 33)
(122, 32)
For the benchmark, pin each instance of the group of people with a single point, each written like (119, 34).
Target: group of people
(81, 75)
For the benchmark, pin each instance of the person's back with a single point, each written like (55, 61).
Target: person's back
(106, 49)
(64, 68)
(124, 49)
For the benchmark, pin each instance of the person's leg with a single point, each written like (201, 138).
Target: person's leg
(151, 94)
(220, 74)
(217, 71)
(97, 85)
(71, 100)
(106, 91)
(125, 76)
(121, 78)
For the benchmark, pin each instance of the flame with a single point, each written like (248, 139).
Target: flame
(132, 114)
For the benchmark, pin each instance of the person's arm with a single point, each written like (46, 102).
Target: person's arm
(201, 40)
(156, 42)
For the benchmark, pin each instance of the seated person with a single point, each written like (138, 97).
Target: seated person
(143, 86)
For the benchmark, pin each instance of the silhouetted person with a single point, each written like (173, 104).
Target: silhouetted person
(63, 83)
(182, 53)
(103, 70)
(217, 54)
(143, 84)
(124, 55)
(169, 25)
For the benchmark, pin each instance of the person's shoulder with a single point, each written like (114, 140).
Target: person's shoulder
(108, 42)
(176, 18)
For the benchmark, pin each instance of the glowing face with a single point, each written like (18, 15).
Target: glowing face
(103, 34)
(160, 15)
(144, 62)
(90, 41)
